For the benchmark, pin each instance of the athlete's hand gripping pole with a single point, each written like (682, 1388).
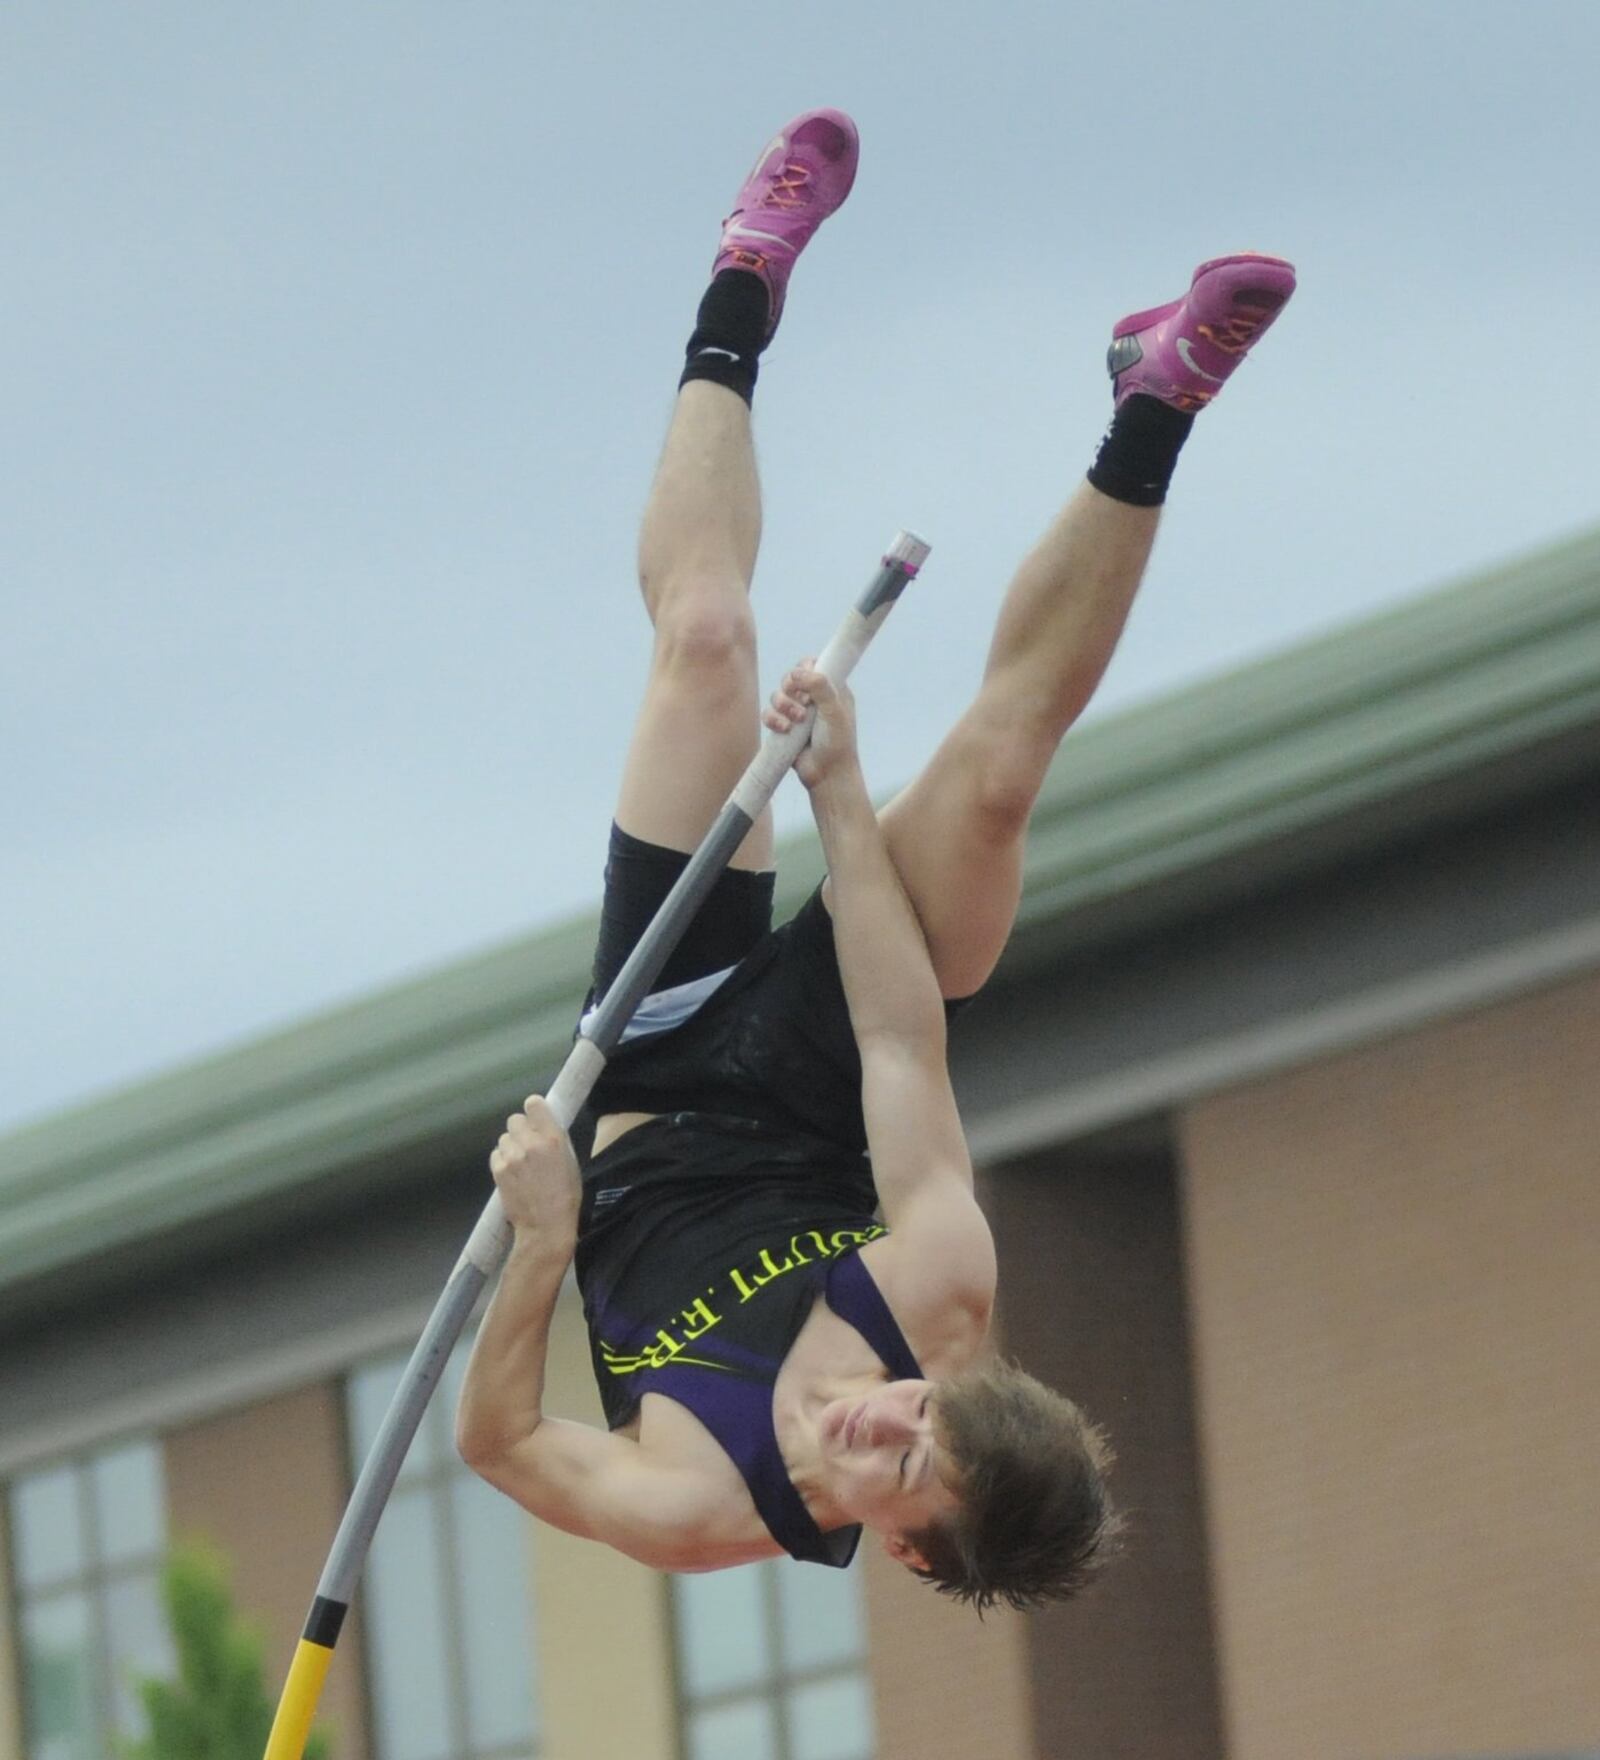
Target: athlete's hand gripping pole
(490, 1241)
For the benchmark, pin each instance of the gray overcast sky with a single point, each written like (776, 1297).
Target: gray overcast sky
(338, 339)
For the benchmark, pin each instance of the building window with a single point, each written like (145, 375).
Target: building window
(444, 1601)
(772, 1664)
(87, 1538)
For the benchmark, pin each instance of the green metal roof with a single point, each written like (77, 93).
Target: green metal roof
(1235, 780)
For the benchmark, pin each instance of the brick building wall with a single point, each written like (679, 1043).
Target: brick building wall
(1092, 1301)
(1394, 1259)
(267, 1484)
(944, 1682)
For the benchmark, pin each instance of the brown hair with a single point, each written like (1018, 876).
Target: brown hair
(1035, 1523)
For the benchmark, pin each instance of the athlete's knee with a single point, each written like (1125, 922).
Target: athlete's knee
(1003, 805)
(706, 637)
(1005, 762)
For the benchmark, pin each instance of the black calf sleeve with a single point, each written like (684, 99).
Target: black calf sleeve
(730, 332)
(1140, 451)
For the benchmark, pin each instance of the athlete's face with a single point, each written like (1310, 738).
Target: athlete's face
(885, 1457)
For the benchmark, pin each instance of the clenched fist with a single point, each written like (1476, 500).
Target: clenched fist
(537, 1176)
(833, 735)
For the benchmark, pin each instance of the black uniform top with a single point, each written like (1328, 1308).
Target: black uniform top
(704, 1242)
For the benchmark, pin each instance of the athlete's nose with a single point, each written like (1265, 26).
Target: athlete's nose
(893, 1423)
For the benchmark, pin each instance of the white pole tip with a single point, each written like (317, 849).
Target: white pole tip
(909, 550)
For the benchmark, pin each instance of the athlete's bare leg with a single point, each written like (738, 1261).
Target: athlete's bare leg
(957, 832)
(698, 724)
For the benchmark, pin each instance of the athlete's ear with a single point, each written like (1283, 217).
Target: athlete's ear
(902, 1551)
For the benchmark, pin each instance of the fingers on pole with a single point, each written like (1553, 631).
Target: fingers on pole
(803, 687)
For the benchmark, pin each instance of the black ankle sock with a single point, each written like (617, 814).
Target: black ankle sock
(1140, 451)
(730, 331)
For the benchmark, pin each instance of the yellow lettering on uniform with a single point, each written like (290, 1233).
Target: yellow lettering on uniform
(813, 1235)
(856, 1237)
(698, 1311)
(772, 1270)
(747, 1286)
(662, 1351)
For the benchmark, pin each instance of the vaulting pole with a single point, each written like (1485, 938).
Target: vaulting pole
(490, 1240)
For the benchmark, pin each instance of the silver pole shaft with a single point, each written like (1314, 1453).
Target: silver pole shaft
(490, 1241)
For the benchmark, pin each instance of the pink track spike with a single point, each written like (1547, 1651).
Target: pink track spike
(1183, 352)
(803, 175)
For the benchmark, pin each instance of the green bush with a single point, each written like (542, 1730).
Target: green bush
(218, 1708)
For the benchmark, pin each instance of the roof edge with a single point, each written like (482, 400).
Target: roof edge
(1446, 682)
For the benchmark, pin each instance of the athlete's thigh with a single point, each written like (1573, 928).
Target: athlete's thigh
(696, 732)
(958, 850)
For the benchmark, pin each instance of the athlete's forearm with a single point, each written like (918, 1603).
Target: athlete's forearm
(502, 1397)
(883, 956)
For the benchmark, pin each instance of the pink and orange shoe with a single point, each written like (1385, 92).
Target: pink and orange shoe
(803, 175)
(1183, 352)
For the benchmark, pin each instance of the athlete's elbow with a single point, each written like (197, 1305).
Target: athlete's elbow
(482, 1442)
(473, 1448)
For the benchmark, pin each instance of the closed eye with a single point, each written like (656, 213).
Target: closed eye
(903, 1459)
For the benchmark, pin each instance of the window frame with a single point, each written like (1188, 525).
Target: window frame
(432, 1480)
(779, 1680)
(92, 1581)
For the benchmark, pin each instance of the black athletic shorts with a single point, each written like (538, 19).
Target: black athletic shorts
(746, 1021)
(639, 876)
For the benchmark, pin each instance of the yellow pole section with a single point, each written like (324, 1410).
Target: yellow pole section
(298, 1705)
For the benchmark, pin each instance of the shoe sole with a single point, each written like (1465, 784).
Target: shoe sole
(1136, 321)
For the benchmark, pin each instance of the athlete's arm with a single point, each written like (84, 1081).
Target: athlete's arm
(602, 1486)
(883, 957)
(920, 1161)
(583, 1480)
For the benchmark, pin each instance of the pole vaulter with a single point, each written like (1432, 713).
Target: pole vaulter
(841, 1380)
(490, 1241)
